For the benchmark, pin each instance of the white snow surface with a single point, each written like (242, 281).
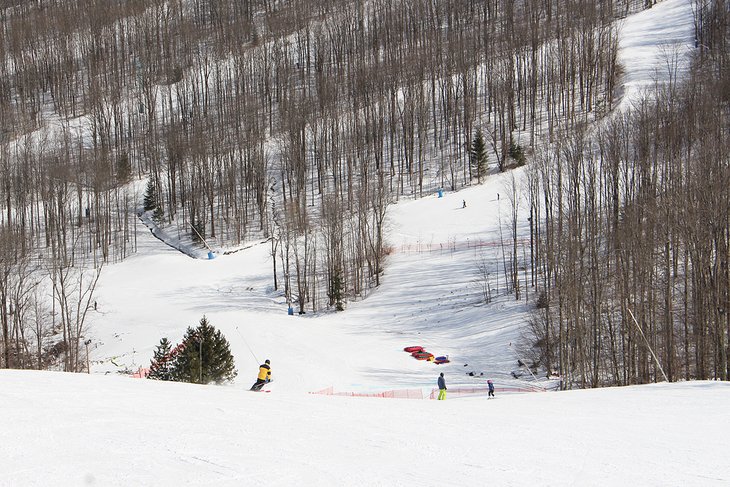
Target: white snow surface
(113, 431)
(655, 47)
(110, 430)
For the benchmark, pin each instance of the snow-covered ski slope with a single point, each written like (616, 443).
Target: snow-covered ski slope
(431, 293)
(111, 431)
(63, 429)
(654, 48)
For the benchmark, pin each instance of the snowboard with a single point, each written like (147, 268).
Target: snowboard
(260, 387)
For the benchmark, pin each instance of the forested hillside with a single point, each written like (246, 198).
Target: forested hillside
(634, 230)
(301, 121)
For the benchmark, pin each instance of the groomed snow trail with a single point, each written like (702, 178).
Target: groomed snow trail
(655, 48)
(430, 294)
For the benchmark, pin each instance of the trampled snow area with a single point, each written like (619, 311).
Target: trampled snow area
(106, 429)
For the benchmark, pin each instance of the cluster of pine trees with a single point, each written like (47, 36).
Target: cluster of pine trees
(202, 357)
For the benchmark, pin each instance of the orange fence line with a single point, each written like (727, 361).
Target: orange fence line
(476, 391)
(141, 373)
(392, 394)
(418, 393)
(453, 246)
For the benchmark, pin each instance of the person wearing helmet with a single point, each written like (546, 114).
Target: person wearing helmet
(491, 389)
(263, 377)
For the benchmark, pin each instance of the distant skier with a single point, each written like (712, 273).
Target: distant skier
(263, 377)
(491, 389)
(442, 387)
(463, 203)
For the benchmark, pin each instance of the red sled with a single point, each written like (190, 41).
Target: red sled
(413, 349)
(441, 360)
(422, 355)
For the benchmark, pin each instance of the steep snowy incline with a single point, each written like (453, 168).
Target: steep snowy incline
(432, 290)
(431, 293)
(655, 47)
(74, 429)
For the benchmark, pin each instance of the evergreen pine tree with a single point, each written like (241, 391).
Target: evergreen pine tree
(205, 358)
(158, 215)
(516, 153)
(479, 155)
(150, 195)
(123, 169)
(336, 291)
(160, 367)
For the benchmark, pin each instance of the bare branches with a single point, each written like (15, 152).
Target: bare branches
(341, 107)
(637, 235)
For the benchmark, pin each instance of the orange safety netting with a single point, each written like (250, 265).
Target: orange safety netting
(142, 373)
(450, 246)
(418, 393)
(482, 391)
(393, 394)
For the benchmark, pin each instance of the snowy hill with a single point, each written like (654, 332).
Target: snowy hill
(107, 429)
(113, 431)
(430, 295)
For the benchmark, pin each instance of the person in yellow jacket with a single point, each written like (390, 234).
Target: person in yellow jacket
(263, 377)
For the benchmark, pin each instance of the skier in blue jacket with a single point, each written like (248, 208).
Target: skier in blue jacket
(491, 389)
(442, 387)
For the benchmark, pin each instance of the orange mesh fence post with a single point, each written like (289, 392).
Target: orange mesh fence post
(328, 391)
(141, 373)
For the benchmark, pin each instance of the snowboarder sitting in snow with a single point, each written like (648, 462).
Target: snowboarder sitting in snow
(442, 387)
(491, 389)
(263, 377)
